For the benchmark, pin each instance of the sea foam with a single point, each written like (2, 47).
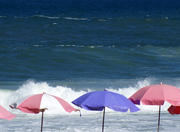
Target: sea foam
(31, 87)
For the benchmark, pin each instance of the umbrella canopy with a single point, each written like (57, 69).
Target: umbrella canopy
(98, 100)
(174, 109)
(38, 103)
(4, 114)
(157, 95)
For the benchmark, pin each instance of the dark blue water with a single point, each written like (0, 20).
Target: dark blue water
(87, 7)
(65, 40)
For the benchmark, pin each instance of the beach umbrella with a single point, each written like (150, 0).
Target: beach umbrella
(174, 109)
(98, 100)
(4, 114)
(156, 95)
(38, 103)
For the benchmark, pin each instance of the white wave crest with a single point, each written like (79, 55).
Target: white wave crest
(48, 17)
(31, 87)
(75, 19)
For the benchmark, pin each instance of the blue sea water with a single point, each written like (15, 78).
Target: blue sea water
(58, 48)
(70, 47)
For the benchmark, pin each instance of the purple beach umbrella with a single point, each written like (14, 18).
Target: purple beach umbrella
(98, 100)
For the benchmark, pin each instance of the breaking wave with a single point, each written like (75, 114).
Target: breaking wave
(69, 94)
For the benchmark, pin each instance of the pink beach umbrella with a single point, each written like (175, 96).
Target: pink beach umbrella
(4, 114)
(38, 103)
(157, 95)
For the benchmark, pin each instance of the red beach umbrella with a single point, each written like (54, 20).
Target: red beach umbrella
(157, 95)
(4, 114)
(38, 103)
(174, 109)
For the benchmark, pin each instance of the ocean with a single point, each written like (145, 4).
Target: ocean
(69, 48)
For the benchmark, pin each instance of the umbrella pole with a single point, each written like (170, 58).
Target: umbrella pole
(103, 120)
(42, 120)
(159, 118)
